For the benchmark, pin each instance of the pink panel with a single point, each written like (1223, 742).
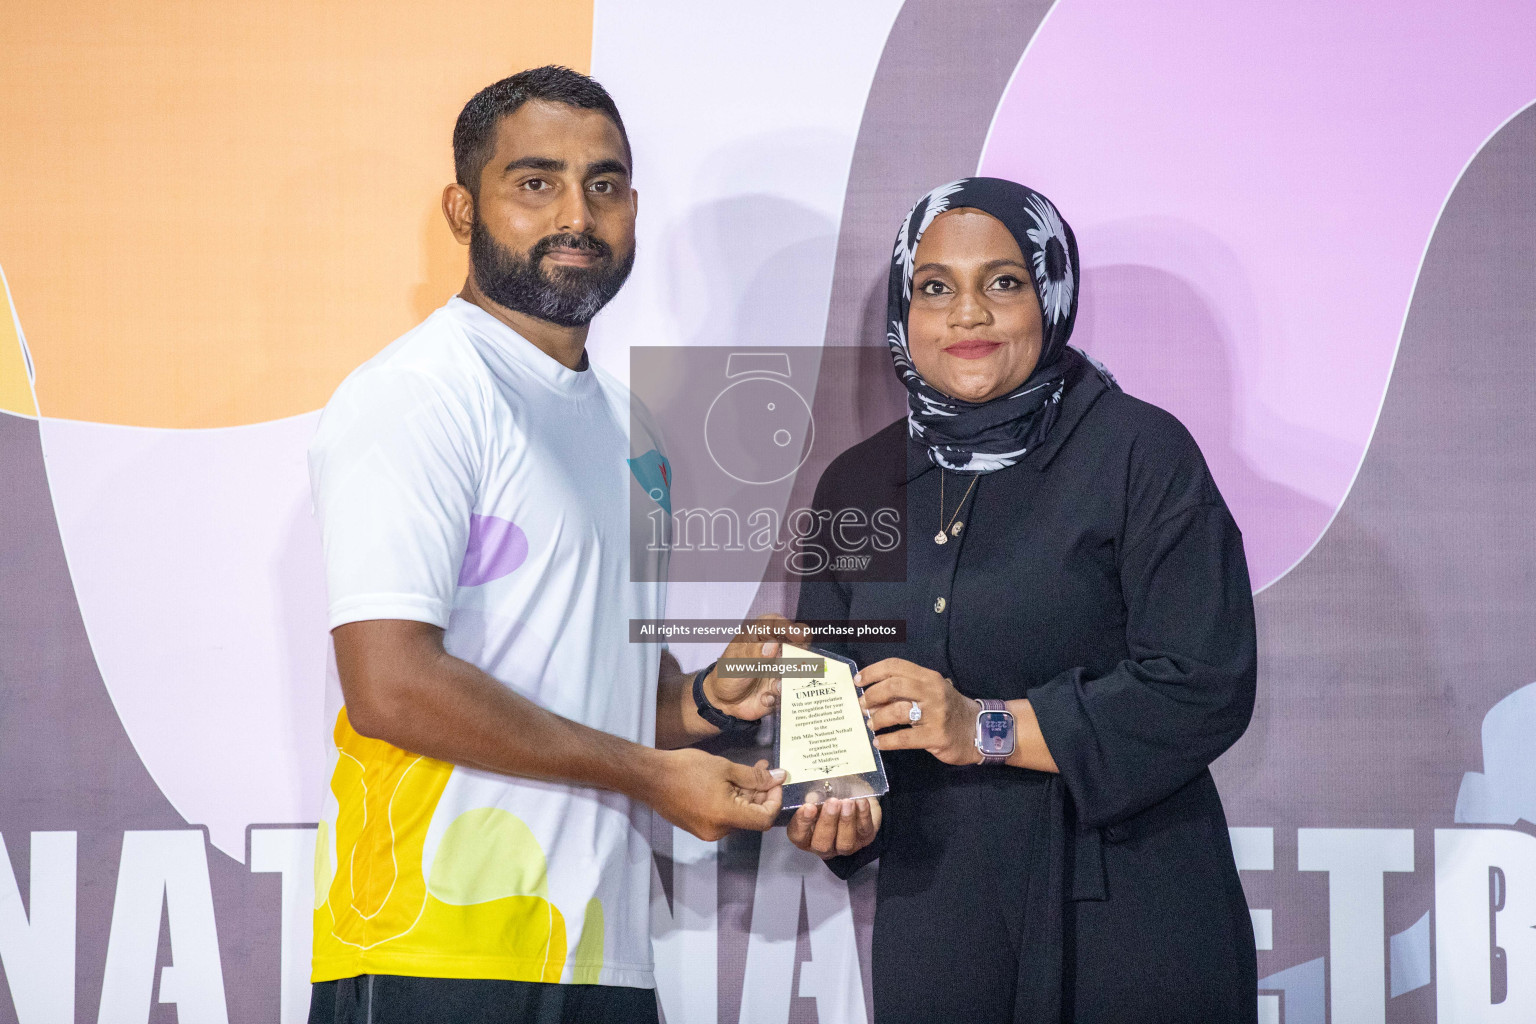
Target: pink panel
(197, 565)
(1252, 187)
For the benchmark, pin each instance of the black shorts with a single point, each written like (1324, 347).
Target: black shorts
(392, 999)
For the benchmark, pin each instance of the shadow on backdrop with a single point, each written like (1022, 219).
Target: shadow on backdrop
(1164, 344)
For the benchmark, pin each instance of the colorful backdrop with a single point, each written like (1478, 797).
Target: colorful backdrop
(1309, 230)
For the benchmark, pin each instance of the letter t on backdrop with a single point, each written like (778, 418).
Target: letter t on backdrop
(1356, 860)
(290, 852)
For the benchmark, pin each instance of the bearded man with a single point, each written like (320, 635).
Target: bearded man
(484, 854)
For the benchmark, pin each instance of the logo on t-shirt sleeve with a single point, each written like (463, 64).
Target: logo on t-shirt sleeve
(654, 473)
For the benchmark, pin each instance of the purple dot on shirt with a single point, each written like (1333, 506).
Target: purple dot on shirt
(496, 547)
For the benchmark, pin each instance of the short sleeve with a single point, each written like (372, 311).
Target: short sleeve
(394, 471)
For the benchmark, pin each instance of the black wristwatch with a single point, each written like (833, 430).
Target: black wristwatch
(711, 714)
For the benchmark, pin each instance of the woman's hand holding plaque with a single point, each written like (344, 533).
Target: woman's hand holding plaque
(835, 828)
(944, 723)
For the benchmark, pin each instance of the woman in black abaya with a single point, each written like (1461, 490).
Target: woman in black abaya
(1076, 591)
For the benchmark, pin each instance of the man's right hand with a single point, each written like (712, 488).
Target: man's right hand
(710, 796)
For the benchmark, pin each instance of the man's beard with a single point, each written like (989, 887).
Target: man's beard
(570, 296)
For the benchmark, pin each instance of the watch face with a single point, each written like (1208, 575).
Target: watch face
(994, 733)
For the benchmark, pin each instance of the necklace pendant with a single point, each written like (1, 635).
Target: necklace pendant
(941, 537)
(955, 530)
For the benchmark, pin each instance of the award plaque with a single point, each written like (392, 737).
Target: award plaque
(824, 743)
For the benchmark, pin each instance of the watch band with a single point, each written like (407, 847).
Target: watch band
(989, 705)
(711, 714)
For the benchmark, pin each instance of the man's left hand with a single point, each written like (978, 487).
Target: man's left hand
(751, 697)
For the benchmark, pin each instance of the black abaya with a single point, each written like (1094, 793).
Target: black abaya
(1103, 578)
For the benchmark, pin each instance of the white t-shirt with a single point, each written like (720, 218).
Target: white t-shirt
(464, 478)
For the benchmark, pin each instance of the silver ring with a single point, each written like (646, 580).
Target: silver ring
(915, 713)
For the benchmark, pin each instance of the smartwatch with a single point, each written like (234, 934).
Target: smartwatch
(994, 731)
(713, 715)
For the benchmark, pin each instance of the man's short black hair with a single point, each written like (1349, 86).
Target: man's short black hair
(474, 136)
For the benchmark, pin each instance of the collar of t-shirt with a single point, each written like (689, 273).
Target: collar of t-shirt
(515, 353)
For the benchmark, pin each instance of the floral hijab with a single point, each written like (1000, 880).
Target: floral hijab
(969, 437)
